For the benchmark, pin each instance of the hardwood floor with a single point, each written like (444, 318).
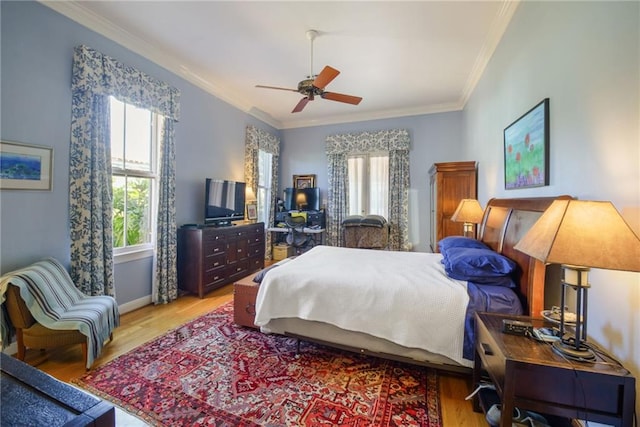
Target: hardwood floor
(146, 323)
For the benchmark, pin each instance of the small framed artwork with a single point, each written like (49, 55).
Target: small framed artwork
(304, 181)
(252, 211)
(526, 149)
(25, 166)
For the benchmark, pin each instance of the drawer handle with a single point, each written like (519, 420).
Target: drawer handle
(238, 268)
(486, 349)
(250, 309)
(216, 250)
(215, 264)
(216, 278)
(239, 250)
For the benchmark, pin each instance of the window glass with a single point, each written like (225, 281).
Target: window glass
(133, 154)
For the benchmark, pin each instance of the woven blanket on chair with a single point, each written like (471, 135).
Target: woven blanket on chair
(55, 302)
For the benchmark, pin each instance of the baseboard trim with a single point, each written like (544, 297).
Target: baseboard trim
(134, 305)
(12, 348)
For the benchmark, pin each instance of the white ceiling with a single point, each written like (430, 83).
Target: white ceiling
(402, 58)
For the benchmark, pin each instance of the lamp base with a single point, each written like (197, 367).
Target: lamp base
(568, 350)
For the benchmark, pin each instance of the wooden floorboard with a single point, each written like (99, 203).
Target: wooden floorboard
(146, 323)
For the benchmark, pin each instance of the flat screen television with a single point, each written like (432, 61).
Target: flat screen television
(224, 201)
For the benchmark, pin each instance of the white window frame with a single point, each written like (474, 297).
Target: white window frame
(144, 250)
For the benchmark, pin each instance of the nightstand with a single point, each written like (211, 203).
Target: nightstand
(528, 374)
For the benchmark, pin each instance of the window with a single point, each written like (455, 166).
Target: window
(265, 165)
(134, 142)
(368, 184)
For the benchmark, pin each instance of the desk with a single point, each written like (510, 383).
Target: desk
(316, 234)
(529, 375)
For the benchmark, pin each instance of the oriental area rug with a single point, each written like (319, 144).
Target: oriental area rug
(211, 372)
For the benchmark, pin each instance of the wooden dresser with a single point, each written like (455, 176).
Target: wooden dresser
(449, 183)
(211, 257)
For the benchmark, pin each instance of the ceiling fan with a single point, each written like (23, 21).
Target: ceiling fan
(314, 86)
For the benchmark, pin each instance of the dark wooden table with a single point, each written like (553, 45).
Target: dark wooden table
(32, 398)
(529, 375)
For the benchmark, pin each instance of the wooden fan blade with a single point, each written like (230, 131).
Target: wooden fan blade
(324, 78)
(276, 87)
(300, 105)
(340, 97)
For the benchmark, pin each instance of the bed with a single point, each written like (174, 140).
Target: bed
(404, 305)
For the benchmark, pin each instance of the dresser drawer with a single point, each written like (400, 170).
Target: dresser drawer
(212, 235)
(256, 263)
(214, 261)
(491, 355)
(256, 250)
(214, 277)
(237, 270)
(214, 248)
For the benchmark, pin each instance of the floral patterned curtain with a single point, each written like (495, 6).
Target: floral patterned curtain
(397, 143)
(95, 78)
(256, 140)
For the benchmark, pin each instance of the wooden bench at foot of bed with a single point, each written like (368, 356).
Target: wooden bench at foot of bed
(245, 291)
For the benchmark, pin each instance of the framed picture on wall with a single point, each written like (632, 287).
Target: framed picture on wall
(526, 149)
(304, 181)
(252, 211)
(25, 166)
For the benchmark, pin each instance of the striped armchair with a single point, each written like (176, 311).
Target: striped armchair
(46, 310)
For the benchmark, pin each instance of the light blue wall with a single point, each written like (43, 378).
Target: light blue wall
(37, 49)
(434, 138)
(584, 56)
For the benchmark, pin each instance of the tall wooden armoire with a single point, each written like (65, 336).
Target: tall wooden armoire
(449, 183)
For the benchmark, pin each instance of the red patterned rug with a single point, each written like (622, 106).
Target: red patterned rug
(211, 372)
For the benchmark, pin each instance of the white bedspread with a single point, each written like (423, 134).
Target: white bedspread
(404, 297)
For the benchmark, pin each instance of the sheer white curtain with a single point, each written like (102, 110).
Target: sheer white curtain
(379, 185)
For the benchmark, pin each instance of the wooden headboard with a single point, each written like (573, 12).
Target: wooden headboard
(504, 223)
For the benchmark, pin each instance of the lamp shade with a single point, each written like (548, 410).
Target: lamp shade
(468, 210)
(583, 233)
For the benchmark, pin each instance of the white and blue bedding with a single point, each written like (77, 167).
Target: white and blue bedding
(406, 298)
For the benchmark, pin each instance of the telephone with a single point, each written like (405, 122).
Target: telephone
(546, 334)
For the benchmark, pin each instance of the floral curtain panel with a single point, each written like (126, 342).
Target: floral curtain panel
(256, 140)
(95, 78)
(394, 141)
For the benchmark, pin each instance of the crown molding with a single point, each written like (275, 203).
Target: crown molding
(496, 31)
(87, 18)
(75, 11)
(378, 115)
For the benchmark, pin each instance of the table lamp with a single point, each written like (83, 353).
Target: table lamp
(301, 201)
(469, 212)
(580, 235)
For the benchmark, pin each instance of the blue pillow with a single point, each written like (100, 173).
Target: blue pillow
(478, 266)
(460, 242)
